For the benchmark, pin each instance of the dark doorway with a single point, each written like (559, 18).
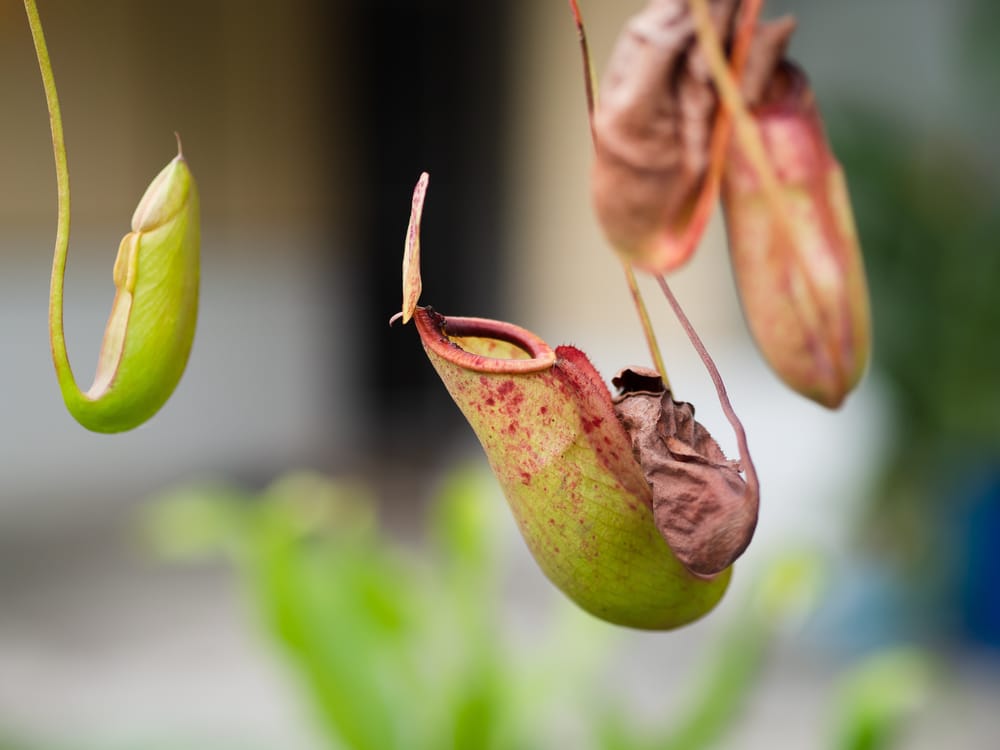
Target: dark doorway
(431, 96)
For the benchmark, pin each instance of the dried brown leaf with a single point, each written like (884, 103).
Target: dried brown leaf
(653, 129)
(767, 50)
(701, 504)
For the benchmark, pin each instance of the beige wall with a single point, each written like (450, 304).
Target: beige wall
(247, 90)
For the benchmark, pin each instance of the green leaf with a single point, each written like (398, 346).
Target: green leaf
(877, 696)
(197, 520)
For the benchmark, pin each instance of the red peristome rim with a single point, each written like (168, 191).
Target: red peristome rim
(435, 330)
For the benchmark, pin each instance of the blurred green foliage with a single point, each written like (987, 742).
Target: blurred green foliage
(875, 698)
(398, 649)
(928, 220)
(927, 201)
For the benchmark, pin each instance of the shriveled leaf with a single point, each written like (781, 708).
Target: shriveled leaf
(657, 134)
(703, 507)
(652, 129)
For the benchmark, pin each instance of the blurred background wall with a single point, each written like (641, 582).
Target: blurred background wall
(306, 124)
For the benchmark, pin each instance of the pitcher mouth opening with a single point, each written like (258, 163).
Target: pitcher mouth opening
(483, 345)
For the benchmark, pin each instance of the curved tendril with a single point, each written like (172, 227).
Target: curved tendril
(589, 74)
(746, 463)
(56, 334)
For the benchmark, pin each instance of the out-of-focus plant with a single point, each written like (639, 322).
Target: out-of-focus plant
(780, 600)
(8, 743)
(932, 226)
(684, 75)
(149, 333)
(102, 743)
(396, 650)
(877, 697)
(927, 214)
(402, 650)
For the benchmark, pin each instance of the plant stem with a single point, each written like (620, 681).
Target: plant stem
(719, 143)
(589, 74)
(56, 334)
(720, 388)
(732, 99)
(590, 85)
(647, 325)
(749, 134)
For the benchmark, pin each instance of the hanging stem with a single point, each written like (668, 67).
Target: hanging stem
(56, 334)
(647, 325)
(589, 74)
(590, 85)
(720, 388)
(723, 119)
(732, 99)
(727, 84)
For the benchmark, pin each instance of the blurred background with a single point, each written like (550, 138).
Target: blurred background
(306, 124)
